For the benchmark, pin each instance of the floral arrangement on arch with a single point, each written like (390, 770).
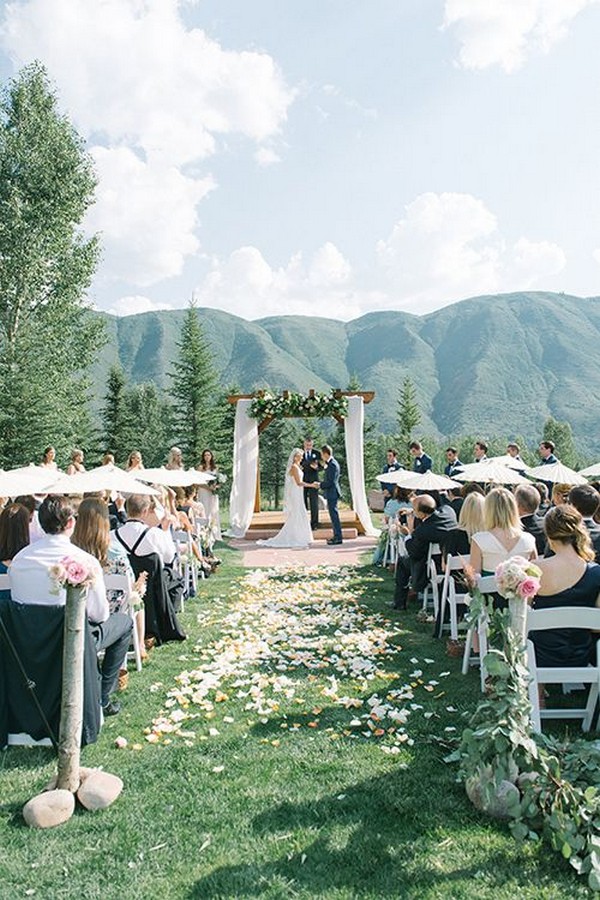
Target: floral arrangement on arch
(69, 572)
(295, 405)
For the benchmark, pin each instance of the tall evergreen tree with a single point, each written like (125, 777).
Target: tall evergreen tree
(145, 425)
(47, 337)
(409, 416)
(114, 414)
(194, 390)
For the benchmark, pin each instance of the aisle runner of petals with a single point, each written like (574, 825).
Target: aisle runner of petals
(292, 637)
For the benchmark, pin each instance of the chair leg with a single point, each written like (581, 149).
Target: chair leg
(467, 654)
(136, 643)
(483, 648)
(590, 707)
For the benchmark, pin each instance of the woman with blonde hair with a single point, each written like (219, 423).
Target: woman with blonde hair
(569, 578)
(470, 522)
(134, 461)
(503, 536)
(76, 464)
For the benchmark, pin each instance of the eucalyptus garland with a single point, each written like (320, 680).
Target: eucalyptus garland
(546, 788)
(295, 405)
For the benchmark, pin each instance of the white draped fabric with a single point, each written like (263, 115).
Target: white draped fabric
(245, 462)
(353, 432)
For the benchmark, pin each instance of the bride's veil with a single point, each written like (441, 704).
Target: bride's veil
(290, 484)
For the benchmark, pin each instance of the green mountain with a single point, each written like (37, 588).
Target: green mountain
(492, 365)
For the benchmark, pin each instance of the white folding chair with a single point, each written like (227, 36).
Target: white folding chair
(487, 585)
(390, 554)
(450, 596)
(123, 583)
(188, 569)
(567, 617)
(434, 580)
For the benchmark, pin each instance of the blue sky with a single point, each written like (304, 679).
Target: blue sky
(331, 157)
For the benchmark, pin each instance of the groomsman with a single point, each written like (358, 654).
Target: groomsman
(392, 465)
(311, 460)
(480, 451)
(454, 464)
(421, 462)
(331, 488)
(546, 451)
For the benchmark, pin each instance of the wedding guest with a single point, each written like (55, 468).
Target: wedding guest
(134, 461)
(421, 462)
(503, 536)
(528, 501)
(453, 465)
(391, 465)
(480, 451)
(31, 505)
(457, 542)
(76, 464)
(31, 583)
(569, 578)
(560, 494)
(472, 487)
(175, 459)
(542, 489)
(586, 501)
(92, 534)
(210, 492)
(49, 458)
(14, 536)
(455, 499)
(428, 525)
(399, 502)
(596, 486)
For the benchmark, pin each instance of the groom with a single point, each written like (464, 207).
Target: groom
(331, 488)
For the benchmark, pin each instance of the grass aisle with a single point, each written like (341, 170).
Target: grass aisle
(291, 748)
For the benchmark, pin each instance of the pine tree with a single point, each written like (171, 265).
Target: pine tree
(47, 337)
(146, 425)
(194, 390)
(114, 414)
(409, 416)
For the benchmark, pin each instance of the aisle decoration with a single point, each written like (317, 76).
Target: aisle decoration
(544, 787)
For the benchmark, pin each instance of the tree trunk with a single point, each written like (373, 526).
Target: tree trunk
(71, 713)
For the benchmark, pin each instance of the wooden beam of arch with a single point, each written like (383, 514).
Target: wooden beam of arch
(367, 396)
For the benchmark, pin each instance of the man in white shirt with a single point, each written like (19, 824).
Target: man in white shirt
(141, 520)
(30, 583)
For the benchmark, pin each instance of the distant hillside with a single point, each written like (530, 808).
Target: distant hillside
(491, 365)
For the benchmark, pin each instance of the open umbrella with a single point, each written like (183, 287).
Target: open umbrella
(104, 478)
(507, 460)
(25, 480)
(591, 471)
(428, 481)
(557, 473)
(490, 473)
(175, 477)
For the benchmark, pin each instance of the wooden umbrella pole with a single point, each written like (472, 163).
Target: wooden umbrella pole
(71, 713)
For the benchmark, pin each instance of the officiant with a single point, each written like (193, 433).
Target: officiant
(310, 464)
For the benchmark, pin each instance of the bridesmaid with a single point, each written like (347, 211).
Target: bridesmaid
(209, 496)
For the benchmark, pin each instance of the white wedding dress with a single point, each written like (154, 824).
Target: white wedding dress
(295, 533)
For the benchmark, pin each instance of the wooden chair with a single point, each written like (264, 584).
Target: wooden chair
(449, 595)
(123, 583)
(487, 585)
(567, 617)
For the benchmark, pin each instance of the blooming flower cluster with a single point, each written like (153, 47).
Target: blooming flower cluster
(70, 572)
(518, 579)
(297, 405)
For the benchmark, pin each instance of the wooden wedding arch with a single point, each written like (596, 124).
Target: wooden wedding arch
(270, 522)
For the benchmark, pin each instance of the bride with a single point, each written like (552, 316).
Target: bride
(295, 533)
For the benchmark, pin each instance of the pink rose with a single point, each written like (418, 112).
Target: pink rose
(76, 572)
(529, 588)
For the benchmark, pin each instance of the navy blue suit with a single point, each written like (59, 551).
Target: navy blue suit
(422, 463)
(330, 486)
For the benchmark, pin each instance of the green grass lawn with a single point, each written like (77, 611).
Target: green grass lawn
(280, 783)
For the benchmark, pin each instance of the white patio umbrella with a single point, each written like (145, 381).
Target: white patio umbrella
(490, 473)
(175, 477)
(25, 480)
(557, 473)
(508, 461)
(428, 481)
(591, 471)
(104, 478)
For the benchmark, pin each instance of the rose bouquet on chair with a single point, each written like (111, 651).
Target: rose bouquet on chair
(70, 573)
(518, 581)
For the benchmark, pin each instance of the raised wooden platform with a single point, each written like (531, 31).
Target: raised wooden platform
(266, 524)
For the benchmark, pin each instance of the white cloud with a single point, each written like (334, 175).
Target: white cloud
(506, 32)
(266, 156)
(445, 248)
(131, 305)
(159, 96)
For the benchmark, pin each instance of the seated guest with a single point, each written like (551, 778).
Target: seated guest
(14, 535)
(147, 539)
(428, 525)
(569, 578)
(542, 489)
(421, 462)
(454, 465)
(31, 584)
(470, 521)
(503, 536)
(399, 502)
(595, 485)
(92, 534)
(528, 502)
(472, 487)
(456, 500)
(31, 505)
(560, 494)
(586, 501)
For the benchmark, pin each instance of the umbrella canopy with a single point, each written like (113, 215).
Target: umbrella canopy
(428, 481)
(175, 477)
(557, 473)
(25, 480)
(591, 471)
(490, 473)
(508, 461)
(104, 478)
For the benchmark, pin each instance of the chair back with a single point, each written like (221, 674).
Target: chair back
(5, 582)
(487, 584)
(564, 617)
